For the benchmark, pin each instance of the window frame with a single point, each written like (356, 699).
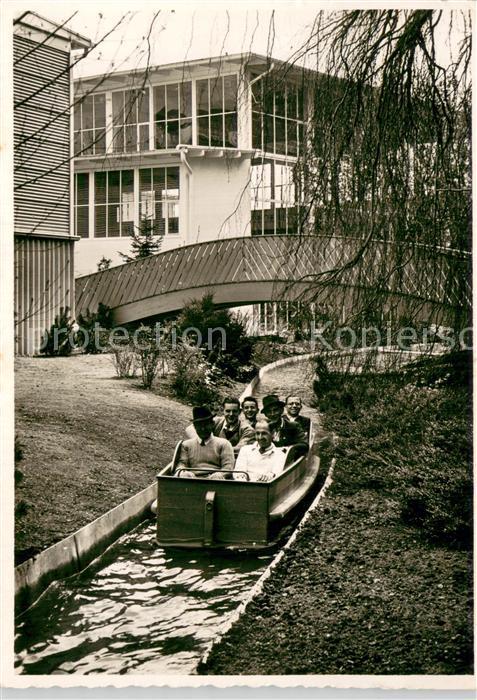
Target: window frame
(98, 142)
(119, 204)
(124, 124)
(216, 114)
(261, 117)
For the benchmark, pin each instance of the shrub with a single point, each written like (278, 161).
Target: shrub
(57, 340)
(148, 353)
(407, 440)
(94, 329)
(193, 377)
(229, 357)
(124, 359)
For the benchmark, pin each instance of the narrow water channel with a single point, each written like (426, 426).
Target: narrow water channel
(140, 609)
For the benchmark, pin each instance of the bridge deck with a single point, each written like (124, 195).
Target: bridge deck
(252, 269)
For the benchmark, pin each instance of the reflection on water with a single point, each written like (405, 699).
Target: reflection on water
(142, 609)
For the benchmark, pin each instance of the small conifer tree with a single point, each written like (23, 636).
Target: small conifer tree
(145, 241)
(104, 264)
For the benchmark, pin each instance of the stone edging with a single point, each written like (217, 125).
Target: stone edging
(292, 360)
(258, 585)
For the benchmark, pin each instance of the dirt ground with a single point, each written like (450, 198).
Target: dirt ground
(89, 441)
(346, 601)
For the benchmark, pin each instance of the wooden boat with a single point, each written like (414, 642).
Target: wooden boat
(230, 514)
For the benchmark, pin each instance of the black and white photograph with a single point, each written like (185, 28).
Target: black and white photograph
(237, 344)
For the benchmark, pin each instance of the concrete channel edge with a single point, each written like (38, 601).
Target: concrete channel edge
(75, 552)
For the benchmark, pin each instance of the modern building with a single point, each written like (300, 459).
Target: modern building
(43, 177)
(198, 150)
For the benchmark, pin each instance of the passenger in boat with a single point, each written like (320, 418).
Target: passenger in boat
(250, 410)
(230, 426)
(263, 460)
(284, 432)
(293, 406)
(205, 451)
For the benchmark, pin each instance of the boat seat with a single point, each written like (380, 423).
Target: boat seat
(293, 453)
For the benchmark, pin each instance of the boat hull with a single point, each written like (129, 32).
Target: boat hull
(228, 514)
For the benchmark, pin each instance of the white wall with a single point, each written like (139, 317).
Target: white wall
(220, 199)
(219, 207)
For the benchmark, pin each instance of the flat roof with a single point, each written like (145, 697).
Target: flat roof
(47, 26)
(248, 59)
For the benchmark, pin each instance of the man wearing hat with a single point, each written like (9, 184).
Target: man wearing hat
(283, 432)
(214, 455)
(230, 426)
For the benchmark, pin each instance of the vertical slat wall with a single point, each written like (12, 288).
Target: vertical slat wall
(44, 275)
(44, 282)
(42, 139)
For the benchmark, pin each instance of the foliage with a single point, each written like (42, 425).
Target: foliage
(145, 241)
(407, 435)
(223, 337)
(148, 354)
(93, 326)
(56, 342)
(193, 377)
(124, 359)
(104, 264)
(389, 159)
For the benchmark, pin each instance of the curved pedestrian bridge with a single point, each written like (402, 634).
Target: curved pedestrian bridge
(247, 270)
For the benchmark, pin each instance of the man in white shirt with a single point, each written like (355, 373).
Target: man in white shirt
(262, 461)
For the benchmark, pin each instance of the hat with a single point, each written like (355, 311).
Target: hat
(271, 400)
(201, 413)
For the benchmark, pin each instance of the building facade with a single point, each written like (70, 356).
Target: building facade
(198, 151)
(43, 176)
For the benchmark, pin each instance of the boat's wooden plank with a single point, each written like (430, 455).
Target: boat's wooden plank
(284, 506)
(241, 510)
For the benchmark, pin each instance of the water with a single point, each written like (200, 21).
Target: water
(140, 609)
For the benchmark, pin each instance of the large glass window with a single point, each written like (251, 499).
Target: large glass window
(113, 203)
(273, 199)
(217, 111)
(173, 114)
(81, 205)
(90, 125)
(130, 121)
(277, 117)
(159, 198)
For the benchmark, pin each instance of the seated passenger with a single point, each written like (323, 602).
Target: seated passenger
(284, 432)
(250, 410)
(293, 406)
(262, 461)
(230, 426)
(205, 450)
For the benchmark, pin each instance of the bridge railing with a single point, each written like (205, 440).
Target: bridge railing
(440, 276)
